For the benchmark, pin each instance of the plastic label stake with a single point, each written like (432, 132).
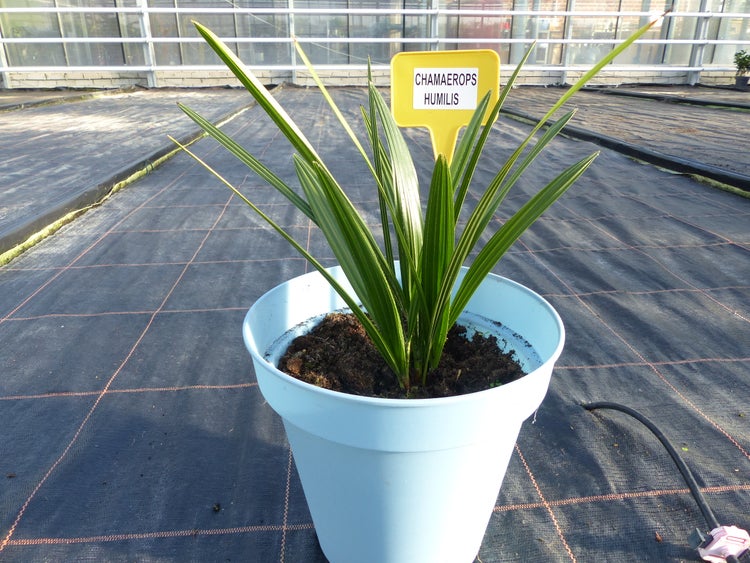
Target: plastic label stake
(440, 90)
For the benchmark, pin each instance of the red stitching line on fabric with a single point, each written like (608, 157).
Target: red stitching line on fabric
(664, 363)
(143, 265)
(611, 248)
(144, 312)
(650, 365)
(658, 262)
(64, 269)
(546, 505)
(157, 535)
(111, 380)
(618, 497)
(285, 520)
(131, 390)
(643, 292)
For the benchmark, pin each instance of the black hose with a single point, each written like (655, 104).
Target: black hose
(708, 514)
(692, 484)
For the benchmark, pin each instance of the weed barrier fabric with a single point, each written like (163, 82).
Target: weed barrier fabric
(133, 428)
(705, 131)
(74, 152)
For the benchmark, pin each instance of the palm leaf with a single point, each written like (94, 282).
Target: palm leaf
(401, 192)
(439, 241)
(360, 258)
(465, 164)
(504, 238)
(395, 362)
(408, 320)
(250, 161)
(275, 111)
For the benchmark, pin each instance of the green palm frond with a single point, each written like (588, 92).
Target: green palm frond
(407, 309)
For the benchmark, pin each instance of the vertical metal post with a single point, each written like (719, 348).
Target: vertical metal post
(403, 24)
(292, 33)
(178, 27)
(639, 48)
(236, 25)
(518, 30)
(4, 74)
(666, 32)
(349, 34)
(61, 29)
(567, 34)
(149, 55)
(434, 25)
(618, 21)
(697, 50)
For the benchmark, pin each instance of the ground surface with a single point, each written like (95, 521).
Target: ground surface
(133, 428)
(710, 134)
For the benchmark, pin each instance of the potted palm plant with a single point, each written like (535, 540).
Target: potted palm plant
(405, 478)
(742, 64)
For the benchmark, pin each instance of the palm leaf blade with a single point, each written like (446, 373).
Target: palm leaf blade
(249, 160)
(439, 241)
(360, 259)
(507, 235)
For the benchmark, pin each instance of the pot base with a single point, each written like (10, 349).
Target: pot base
(401, 480)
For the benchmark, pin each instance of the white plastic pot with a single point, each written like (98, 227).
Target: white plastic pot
(402, 480)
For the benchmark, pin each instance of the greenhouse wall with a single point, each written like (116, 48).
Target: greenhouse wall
(153, 43)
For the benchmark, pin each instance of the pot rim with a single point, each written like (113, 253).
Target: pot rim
(545, 366)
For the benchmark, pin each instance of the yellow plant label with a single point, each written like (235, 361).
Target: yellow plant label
(440, 90)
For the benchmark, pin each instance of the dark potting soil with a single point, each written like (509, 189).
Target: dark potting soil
(337, 354)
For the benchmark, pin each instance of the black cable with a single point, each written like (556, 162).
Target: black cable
(681, 465)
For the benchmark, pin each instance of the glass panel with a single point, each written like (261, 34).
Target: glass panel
(639, 53)
(91, 25)
(373, 25)
(130, 26)
(31, 25)
(323, 26)
(266, 26)
(489, 26)
(728, 29)
(222, 25)
(415, 26)
(181, 25)
(472, 26)
(592, 28)
(165, 25)
(681, 28)
(596, 28)
(594, 33)
(537, 28)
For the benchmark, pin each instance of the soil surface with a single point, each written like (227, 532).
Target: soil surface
(338, 355)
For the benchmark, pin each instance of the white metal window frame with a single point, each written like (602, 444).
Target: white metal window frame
(433, 41)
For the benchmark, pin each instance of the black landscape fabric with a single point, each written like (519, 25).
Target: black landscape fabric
(133, 429)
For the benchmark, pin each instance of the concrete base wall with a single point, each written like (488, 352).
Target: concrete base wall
(199, 79)
(87, 80)
(355, 77)
(717, 78)
(650, 77)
